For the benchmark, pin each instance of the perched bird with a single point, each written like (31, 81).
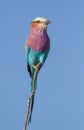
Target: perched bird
(37, 47)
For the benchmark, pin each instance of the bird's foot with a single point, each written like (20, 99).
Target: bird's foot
(36, 67)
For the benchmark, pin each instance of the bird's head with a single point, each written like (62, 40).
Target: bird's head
(41, 23)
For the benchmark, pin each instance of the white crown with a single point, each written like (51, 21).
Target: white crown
(40, 19)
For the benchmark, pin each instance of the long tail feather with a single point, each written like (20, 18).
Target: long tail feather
(34, 81)
(32, 104)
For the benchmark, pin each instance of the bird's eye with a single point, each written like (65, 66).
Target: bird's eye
(38, 21)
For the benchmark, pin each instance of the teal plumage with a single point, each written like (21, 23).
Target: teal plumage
(36, 51)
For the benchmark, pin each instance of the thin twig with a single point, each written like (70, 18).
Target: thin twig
(29, 103)
(27, 112)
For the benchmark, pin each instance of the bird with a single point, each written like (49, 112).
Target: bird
(37, 48)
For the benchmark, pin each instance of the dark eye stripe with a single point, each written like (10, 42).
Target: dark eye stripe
(38, 21)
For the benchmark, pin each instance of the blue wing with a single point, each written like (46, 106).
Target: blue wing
(27, 50)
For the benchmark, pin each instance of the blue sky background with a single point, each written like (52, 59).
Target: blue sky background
(59, 101)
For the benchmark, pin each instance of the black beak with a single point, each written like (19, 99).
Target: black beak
(48, 22)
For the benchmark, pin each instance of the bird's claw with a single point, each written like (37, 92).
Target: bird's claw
(36, 67)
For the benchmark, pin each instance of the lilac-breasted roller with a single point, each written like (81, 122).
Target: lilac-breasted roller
(36, 51)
